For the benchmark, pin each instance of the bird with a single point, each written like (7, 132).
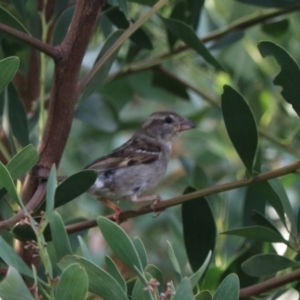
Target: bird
(139, 164)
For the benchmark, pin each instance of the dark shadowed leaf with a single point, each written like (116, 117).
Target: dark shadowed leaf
(267, 264)
(188, 36)
(100, 282)
(228, 39)
(166, 82)
(123, 6)
(8, 69)
(17, 116)
(73, 283)
(270, 3)
(59, 237)
(194, 10)
(101, 74)
(12, 287)
(184, 290)
(120, 243)
(228, 289)
(199, 230)
(12, 259)
(258, 233)
(276, 27)
(289, 76)
(117, 17)
(115, 273)
(74, 186)
(240, 125)
(261, 220)
(198, 275)
(60, 6)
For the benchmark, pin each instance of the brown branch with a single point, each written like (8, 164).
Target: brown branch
(291, 168)
(32, 42)
(269, 284)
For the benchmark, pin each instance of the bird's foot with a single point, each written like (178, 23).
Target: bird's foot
(115, 208)
(155, 200)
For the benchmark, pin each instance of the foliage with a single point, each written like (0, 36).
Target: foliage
(77, 79)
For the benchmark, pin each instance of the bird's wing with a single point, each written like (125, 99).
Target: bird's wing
(134, 152)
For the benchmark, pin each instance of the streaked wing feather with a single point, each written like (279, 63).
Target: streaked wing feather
(134, 152)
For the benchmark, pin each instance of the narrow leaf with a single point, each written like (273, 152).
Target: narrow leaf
(140, 248)
(120, 243)
(12, 259)
(174, 262)
(12, 287)
(17, 116)
(51, 186)
(74, 186)
(157, 274)
(267, 264)
(189, 37)
(184, 290)
(59, 237)
(84, 249)
(123, 6)
(73, 283)
(115, 273)
(198, 275)
(261, 220)
(140, 293)
(240, 125)
(199, 230)
(228, 289)
(8, 69)
(258, 233)
(100, 282)
(289, 76)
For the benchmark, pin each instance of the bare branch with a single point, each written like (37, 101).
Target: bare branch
(32, 42)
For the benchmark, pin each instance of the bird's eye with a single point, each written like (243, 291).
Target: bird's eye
(168, 120)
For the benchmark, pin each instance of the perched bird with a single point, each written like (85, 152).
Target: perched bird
(140, 163)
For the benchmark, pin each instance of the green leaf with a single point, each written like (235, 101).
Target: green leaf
(174, 262)
(171, 85)
(194, 10)
(261, 220)
(50, 193)
(267, 264)
(101, 74)
(12, 287)
(188, 36)
(60, 6)
(120, 244)
(9, 184)
(199, 230)
(289, 76)
(59, 237)
(74, 186)
(123, 6)
(8, 68)
(203, 295)
(8, 19)
(240, 125)
(100, 282)
(115, 273)
(140, 248)
(73, 283)
(84, 249)
(17, 116)
(157, 274)
(258, 233)
(139, 292)
(270, 3)
(228, 289)
(12, 259)
(198, 275)
(275, 27)
(184, 290)
(117, 17)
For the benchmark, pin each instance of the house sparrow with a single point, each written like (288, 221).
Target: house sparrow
(140, 163)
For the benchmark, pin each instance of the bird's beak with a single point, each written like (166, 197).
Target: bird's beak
(186, 124)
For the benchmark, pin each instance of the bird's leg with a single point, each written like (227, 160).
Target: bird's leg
(114, 207)
(155, 200)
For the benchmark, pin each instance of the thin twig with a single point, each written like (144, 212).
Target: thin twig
(33, 42)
